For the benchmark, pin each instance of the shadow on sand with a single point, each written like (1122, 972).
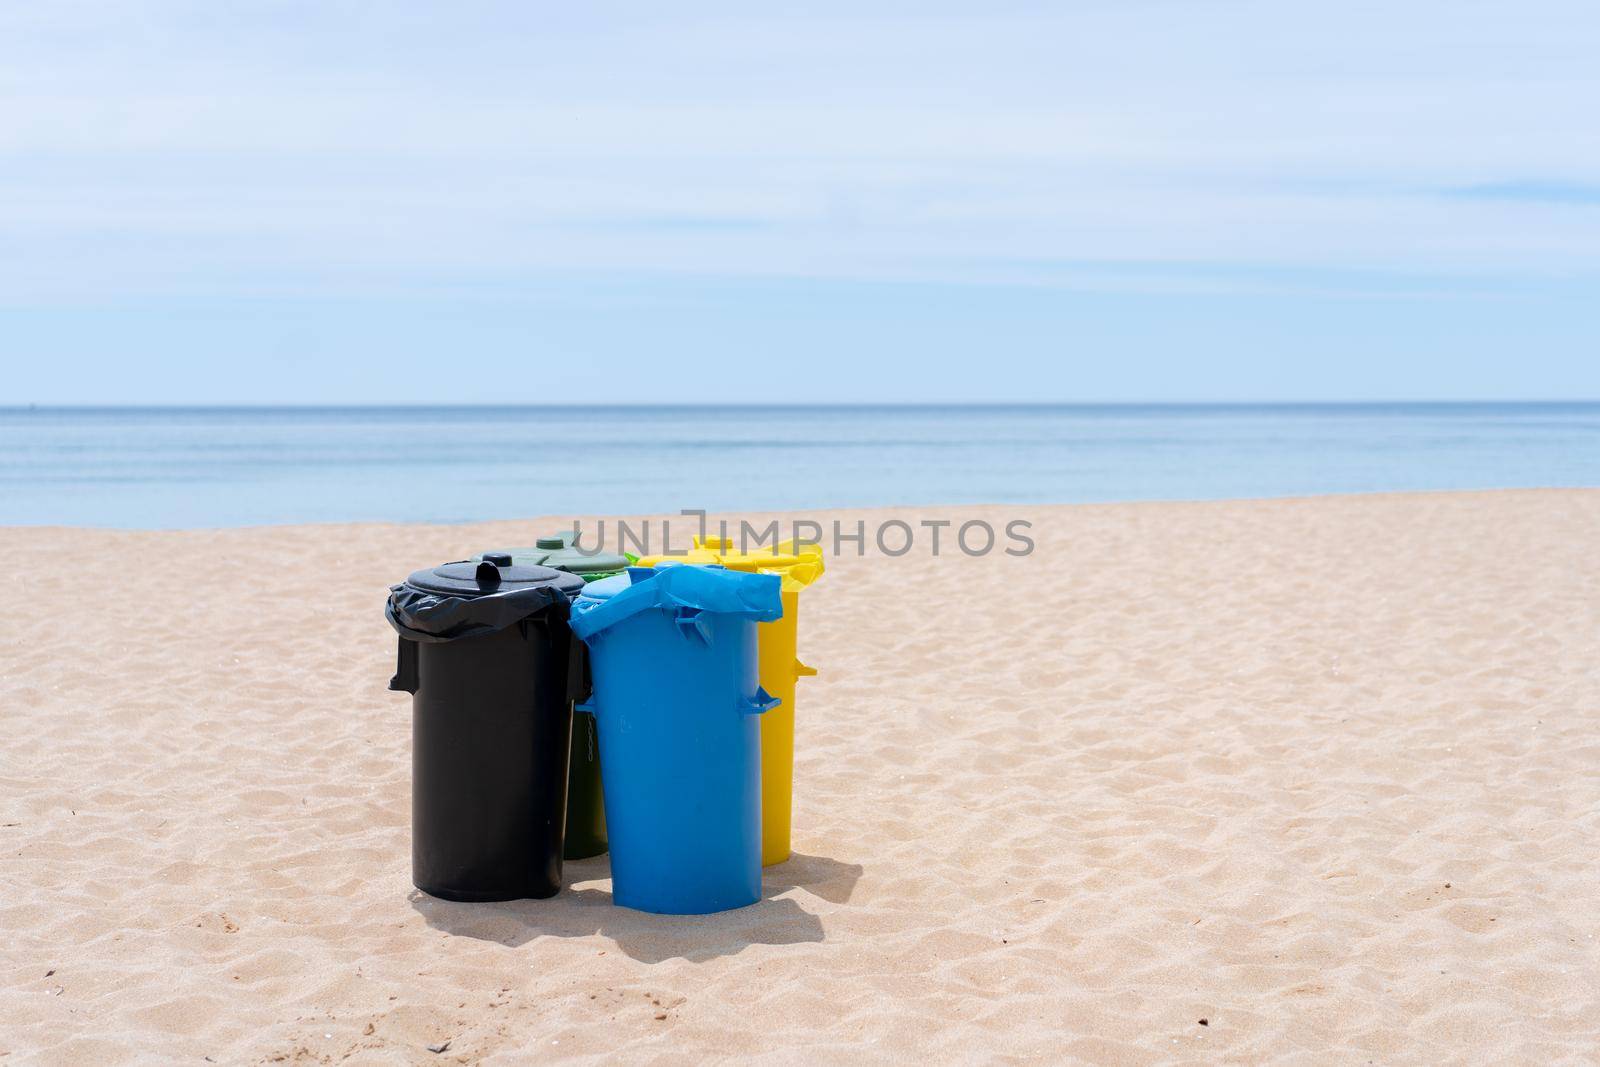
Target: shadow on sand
(586, 910)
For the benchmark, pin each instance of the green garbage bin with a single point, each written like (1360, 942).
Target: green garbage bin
(586, 810)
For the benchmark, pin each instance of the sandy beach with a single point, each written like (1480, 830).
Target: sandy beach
(1303, 780)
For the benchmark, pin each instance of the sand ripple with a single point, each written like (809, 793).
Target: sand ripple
(1324, 773)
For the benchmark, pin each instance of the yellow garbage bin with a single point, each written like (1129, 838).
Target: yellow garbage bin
(798, 565)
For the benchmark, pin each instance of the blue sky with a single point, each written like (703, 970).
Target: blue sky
(477, 202)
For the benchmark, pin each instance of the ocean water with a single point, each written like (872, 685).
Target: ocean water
(191, 467)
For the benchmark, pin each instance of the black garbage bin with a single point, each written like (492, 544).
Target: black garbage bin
(586, 809)
(487, 656)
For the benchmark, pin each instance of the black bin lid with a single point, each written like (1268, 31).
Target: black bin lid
(494, 574)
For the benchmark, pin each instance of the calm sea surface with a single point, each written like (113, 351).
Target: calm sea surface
(184, 467)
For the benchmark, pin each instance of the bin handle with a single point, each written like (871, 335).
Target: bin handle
(690, 624)
(802, 671)
(405, 668)
(759, 704)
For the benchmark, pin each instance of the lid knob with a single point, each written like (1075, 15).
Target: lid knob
(487, 574)
(499, 559)
(550, 543)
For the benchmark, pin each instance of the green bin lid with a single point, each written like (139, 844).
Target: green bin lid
(565, 555)
(560, 550)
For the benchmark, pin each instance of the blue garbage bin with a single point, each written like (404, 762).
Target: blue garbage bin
(674, 665)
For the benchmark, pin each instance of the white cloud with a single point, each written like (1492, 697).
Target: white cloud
(191, 147)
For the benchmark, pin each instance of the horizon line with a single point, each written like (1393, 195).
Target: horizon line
(820, 405)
